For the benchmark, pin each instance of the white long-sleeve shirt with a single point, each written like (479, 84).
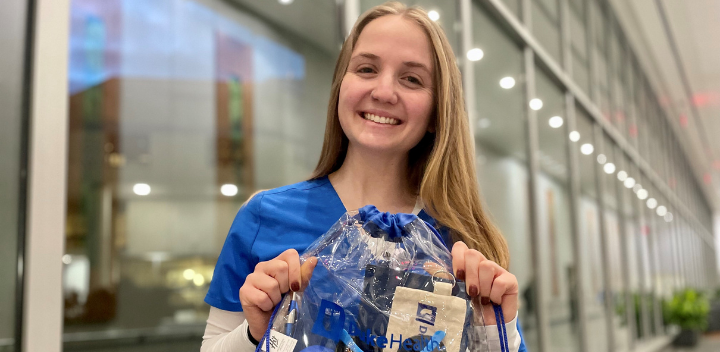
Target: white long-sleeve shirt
(228, 332)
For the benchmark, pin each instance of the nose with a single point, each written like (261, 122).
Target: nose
(384, 91)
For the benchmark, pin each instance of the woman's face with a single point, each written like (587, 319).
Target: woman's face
(386, 96)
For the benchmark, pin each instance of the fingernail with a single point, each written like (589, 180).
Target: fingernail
(485, 301)
(473, 291)
(295, 287)
(461, 275)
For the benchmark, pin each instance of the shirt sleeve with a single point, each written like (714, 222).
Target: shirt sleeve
(226, 332)
(515, 342)
(236, 259)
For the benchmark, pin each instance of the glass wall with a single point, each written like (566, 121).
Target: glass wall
(590, 236)
(179, 110)
(12, 40)
(554, 233)
(501, 153)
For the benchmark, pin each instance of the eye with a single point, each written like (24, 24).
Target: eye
(413, 80)
(365, 69)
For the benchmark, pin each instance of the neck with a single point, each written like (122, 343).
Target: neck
(373, 178)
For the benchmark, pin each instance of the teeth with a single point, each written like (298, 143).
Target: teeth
(381, 119)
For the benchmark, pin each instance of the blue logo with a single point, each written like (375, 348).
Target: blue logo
(426, 314)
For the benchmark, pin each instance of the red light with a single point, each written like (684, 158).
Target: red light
(683, 120)
(632, 130)
(707, 178)
(716, 164)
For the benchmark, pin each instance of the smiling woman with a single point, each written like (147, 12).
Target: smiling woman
(396, 137)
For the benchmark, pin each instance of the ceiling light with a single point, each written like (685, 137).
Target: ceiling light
(642, 194)
(609, 168)
(668, 217)
(141, 189)
(622, 175)
(651, 203)
(574, 136)
(602, 159)
(661, 210)
(629, 182)
(434, 15)
(229, 190)
(286, 2)
(637, 187)
(475, 54)
(507, 82)
(67, 259)
(555, 121)
(536, 104)
(587, 149)
(189, 274)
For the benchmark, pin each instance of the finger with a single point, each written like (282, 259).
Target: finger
(292, 258)
(488, 271)
(473, 259)
(276, 269)
(505, 292)
(306, 271)
(458, 259)
(268, 285)
(503, 285)
(260, 293)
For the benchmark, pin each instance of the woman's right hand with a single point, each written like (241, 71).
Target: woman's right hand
(263, 288)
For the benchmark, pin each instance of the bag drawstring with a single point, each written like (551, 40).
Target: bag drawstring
(500, 321)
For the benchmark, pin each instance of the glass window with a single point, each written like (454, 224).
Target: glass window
(179, 110)
(610, 160)
(546, 26)
(589, 219)
(515, 6)
(501, 153)
(631, 240)
(554, 226)
(579, 50)
(446, 10)
(12, 27)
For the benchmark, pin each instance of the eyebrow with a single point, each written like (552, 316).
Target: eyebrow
(406, 63)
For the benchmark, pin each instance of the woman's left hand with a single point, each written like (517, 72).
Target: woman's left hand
(486, 282)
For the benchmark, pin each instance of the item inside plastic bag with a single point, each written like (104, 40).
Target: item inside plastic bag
(383, 282)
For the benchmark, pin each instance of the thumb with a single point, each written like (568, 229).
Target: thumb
(306, 271)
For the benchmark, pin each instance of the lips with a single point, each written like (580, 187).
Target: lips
(379, 119)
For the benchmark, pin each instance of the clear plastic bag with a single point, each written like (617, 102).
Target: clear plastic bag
(383, 282)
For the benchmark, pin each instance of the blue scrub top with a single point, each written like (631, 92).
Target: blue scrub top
(272, 222)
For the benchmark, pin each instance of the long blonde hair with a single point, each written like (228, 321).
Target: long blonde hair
(442, 165)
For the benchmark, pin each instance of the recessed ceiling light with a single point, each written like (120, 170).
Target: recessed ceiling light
(555, 122)
(536, 104)
(475, 54)
(141, 189)
(507, 82)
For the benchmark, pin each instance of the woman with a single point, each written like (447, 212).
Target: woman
(396, 137)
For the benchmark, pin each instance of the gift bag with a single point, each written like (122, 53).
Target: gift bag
(383, 282)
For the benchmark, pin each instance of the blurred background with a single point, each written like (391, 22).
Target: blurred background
(593, 124)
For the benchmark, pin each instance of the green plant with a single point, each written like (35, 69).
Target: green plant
(688, 309)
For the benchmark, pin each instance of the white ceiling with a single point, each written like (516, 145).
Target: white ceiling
(675, 42)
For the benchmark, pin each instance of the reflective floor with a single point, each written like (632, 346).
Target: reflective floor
(708, 343)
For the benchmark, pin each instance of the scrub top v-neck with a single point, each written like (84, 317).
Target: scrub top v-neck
(270, 223)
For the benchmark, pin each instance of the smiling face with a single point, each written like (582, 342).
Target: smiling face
(386, 96)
